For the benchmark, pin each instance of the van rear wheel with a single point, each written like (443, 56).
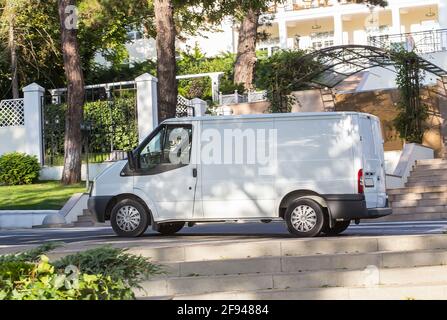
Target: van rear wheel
(129, 218)
(304, 218)
(339, 227)
(168, 229)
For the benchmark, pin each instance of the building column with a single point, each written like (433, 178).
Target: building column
(32, 99)
(396, 27)
(147, 105)
(442, 14)
(215, 85)
(282, 26)
(338, 29)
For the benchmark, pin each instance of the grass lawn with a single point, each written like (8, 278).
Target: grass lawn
(49, 195)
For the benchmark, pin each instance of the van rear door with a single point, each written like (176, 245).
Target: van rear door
(373, 162)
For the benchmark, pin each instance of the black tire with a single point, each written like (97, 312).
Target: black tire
(339, 227)
(315, 218)
(139, 214)
(168, 229)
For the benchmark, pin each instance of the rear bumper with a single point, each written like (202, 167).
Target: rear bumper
(353, 207)
(98, 206)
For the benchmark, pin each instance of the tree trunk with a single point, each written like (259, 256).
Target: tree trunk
(166, 62)
(13, 50)
(75, 97)
(244, 68)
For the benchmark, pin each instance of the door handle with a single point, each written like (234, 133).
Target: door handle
(194, 173)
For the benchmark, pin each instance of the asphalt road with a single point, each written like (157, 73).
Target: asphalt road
(209, 231)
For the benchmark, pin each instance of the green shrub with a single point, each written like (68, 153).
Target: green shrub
(40, 281)
(18, 168)
(98, 274)
(112, 262)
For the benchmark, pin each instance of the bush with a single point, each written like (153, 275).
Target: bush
(40, 281)
(98, 274)
(18, 168)
(112, 262)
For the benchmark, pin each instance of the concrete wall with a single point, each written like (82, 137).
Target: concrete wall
(55, 173)
(13, 139)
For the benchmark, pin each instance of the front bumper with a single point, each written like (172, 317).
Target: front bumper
(98, 207)
(353, 207)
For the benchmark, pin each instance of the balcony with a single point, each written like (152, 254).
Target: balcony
(297, 5)
(421, 42)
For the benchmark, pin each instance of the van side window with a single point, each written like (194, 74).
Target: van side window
(169, 149)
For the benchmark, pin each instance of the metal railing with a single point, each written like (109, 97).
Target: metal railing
(421, 42)
(235, 98)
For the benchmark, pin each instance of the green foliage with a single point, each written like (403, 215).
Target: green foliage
(193, 61)
(113, 262)
(113, 122)
(41, 281)
(98, 274)
(31, 255)
(410, 122)
(281, 74)
(18, 168)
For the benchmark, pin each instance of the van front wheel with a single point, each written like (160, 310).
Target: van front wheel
(129, 218)
(304, 218)
(168, 229)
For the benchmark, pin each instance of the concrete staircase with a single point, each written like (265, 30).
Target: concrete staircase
(399, 267)
(425, 194)
(85, 220)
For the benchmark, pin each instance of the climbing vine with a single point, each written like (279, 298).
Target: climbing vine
(410, 122)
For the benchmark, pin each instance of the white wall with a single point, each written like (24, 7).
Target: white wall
(380, 78)
(55, 173)
(13, 139)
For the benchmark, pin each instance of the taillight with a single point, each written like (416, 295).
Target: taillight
(360, 181)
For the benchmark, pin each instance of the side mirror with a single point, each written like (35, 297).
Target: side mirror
(131, 161)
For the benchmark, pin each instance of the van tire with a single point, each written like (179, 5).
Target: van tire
(339, 227)
(168, 229)
(137, 226)
(308, 209)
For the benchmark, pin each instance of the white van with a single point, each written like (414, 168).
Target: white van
(316, 171)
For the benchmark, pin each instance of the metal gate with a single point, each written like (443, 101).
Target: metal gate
(109, 127)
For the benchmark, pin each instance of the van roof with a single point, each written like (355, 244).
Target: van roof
(269, 116)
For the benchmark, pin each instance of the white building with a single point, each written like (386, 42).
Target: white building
(316, 24)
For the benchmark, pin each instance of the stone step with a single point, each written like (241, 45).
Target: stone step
(390, 292)
(420, 189)
(419, 203)
(418, 196)
(85, 218)
(368, 277)
(431, 183)
(273, 247)
(439, 166)
(431, 162)
(288, 264)
(428, 177)
(425, 209)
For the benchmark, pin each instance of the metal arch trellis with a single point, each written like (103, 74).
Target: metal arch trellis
(338, 63)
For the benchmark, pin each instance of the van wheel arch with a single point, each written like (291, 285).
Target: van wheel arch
(308, 194)
(120, 197)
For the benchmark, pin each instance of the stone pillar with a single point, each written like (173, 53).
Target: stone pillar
(338, 29)
(199, 106)
(215, 85)
(282, 26)
(147, 105)
(32, 98)
(396, 27)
